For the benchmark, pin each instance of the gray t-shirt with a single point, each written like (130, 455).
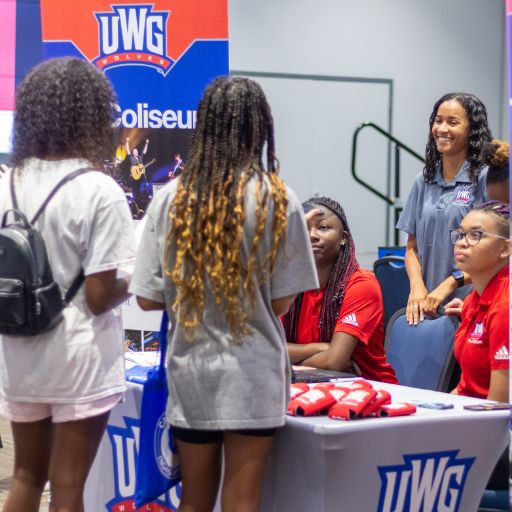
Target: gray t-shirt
(215, 384)
(431, 211)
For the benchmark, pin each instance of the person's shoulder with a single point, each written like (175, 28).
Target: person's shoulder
(363, 277)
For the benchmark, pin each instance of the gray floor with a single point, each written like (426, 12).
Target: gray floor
(6, 462)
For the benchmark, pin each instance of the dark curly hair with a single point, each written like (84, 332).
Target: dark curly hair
(496, 155)
(479, 134)
(64, 110)
(345, 265)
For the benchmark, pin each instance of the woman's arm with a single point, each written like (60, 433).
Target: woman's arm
(104, 291)
(150, 305)
(338, 354)
(299, 352)
(498, 388)
(418, 291)
(437, 296)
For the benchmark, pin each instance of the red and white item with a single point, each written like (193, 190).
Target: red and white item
(314, 401)
(298, 389)
(383, 398)
(397, 409)
(352, 405)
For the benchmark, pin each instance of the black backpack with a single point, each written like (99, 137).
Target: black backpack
(30, 300)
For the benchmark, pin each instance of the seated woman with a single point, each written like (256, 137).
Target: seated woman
(343, 321)
(481, 343)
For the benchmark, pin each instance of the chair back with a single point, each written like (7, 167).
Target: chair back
(394, 283)
(422, 355)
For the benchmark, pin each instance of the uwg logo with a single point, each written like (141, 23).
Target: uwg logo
(427, 482)
(125, 449)
(133, 35)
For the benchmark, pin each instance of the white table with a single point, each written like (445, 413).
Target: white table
(320, 465)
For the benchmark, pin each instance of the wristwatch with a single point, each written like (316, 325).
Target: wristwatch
(458, 275)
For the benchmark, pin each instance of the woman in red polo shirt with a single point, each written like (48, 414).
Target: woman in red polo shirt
(482, 340)
(343, 321)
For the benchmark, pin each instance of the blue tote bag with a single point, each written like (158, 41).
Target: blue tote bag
(158, 466)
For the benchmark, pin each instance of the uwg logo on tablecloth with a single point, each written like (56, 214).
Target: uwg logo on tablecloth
(427, 482)
(133, 35)
(125, 451)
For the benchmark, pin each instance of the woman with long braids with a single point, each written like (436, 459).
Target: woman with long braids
(452, 181)
(225, 250)
(342, 322)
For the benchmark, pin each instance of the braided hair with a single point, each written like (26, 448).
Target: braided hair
(345, 265)
(479, 134)
(205, 241)
(501, 213)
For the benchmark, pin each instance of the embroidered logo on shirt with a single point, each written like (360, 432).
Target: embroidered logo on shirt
(476, 336)
(501, 354)
(463, 195)
(350, 319)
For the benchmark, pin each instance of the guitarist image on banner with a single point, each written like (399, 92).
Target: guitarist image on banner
(137, 169)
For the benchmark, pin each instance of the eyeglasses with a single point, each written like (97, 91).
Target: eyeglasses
(472, 237)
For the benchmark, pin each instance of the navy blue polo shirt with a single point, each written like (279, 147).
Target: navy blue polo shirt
(431, 211)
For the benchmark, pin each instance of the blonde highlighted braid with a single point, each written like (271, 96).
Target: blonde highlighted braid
(204, 246)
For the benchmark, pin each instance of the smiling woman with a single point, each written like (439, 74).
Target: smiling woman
(452, 181)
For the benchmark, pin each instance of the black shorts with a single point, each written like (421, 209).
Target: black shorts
(193, 436)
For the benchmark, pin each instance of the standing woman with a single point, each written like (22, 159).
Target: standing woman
(451, 182)
(224, 251)
(57, 388)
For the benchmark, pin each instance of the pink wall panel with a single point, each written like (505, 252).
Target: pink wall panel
(7, 53)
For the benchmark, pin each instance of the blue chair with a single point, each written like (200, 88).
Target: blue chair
(394, 283)
(422, 355)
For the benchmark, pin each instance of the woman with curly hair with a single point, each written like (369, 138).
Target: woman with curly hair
(496, 155)
(451, 182)
(225, 250)
(342, 322)
(57, 388)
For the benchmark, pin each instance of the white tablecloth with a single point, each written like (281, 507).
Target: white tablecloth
(441, 459)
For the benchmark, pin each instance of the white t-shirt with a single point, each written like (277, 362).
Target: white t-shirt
(87, 224)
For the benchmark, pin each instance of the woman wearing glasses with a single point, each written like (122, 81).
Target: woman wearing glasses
(451, 183)
(481, 249)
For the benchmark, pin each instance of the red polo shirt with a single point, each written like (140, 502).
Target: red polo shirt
(361, 315)
(482, 340)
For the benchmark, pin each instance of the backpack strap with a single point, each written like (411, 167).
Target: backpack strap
(79, 279)
(55, 189)
(75, 285)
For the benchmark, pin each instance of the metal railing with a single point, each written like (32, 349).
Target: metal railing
(392, 201)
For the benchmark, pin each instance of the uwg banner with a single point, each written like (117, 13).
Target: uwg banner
(159, 55)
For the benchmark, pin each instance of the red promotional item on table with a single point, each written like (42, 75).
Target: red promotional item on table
(314, 401)
(339, 392)
(361, 384)
(298, 389)
(353, 404)
(398, 409)
(383, 398)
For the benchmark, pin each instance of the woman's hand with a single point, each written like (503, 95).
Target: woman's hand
(454, 307)
(415, 303)
(437, 296)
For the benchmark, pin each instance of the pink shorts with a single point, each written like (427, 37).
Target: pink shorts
(24, 412)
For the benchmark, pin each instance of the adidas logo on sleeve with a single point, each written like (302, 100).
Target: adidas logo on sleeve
(502, 354)
(350, 319)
